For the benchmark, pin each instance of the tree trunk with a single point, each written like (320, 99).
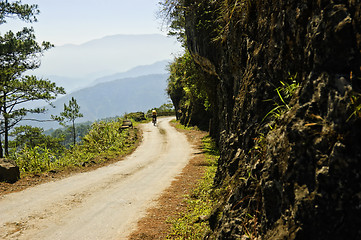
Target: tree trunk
(6, 128)
(74, 133)
(1, 148)
(1, 144)
(6, 140)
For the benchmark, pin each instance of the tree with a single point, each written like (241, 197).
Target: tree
(25, 12)
(66, 134)
(70, 114)
(190, 91)
(32, 137)
(172, 13)
(20, 52)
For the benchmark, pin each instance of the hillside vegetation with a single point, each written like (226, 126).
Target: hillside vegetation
(103, 141)
(112, 98)
(36, 151)
(277, 83)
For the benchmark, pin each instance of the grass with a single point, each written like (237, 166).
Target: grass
(285, 92)
(356, 105)
(104, 141)
(200, 202)
(181, 126)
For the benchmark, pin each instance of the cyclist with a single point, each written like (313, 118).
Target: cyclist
(154, 116)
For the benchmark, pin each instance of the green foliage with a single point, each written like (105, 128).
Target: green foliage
(22, 90)
(227, 14)
(186, 78)
(356, 105)
(66, 134)
(70, 114)
(172, 14)
(24, 12)
(200, 202)
(136, 116)
(211, 150)
(230, 12)
(284, 93)
(183, 127)
(18, 53)
(189, 90)
(36, 160)
(166, 109)
(103, 141)
(105, 137)
(27, 136)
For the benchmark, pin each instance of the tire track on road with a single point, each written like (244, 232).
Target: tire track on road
(102, 204)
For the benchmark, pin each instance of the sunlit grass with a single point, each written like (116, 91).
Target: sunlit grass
(104, 141)
(178, 125)
(200, 202)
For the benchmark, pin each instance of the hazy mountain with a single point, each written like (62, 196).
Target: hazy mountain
(156, 68)
(74, 84)
(101, 57)
(70, 84)
(113, 98)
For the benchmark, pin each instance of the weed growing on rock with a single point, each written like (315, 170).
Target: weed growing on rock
(230, 12)
(285, 93)
(356, 105)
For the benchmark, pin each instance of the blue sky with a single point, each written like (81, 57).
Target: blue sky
(78, 21)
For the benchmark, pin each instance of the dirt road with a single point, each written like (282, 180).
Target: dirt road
(102, 204)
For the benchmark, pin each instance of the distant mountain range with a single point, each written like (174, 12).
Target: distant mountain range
(74, 84)
(108, 77)
(77, 66)
(156, 68)
(112, 98)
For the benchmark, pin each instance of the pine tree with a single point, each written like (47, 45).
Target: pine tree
(20, 52)
(70, 114)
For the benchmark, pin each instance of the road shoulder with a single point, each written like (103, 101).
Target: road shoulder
(37, 179)
(155, 224)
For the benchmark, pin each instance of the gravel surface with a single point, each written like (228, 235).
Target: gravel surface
(172, 202)
(102, 204)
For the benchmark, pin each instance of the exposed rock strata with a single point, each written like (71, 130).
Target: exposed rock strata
(300, 179)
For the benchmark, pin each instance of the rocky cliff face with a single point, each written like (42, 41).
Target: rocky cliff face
(290, 165)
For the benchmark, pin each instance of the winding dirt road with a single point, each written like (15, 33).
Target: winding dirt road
(102, 204)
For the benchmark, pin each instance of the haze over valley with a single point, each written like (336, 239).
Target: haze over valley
(110, 99)
(109, 76)
(77, 66)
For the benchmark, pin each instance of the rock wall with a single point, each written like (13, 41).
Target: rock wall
(295, 175)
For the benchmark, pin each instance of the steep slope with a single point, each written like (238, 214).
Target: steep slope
(295, 175)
